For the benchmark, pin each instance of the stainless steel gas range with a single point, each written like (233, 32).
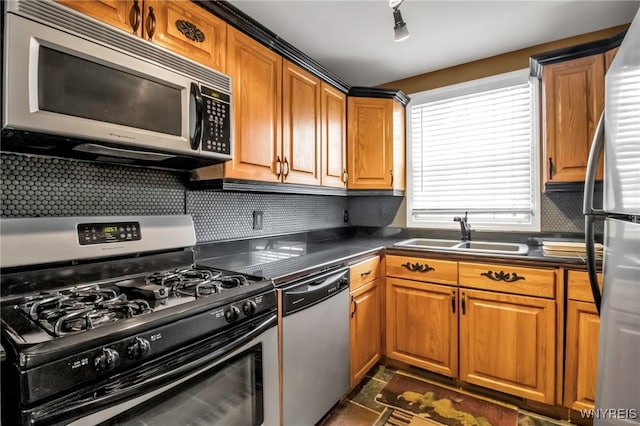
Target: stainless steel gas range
(108, 320)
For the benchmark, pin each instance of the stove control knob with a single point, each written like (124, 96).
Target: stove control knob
(107, 360)
(137, 348)
(232, 313)
(249, 307)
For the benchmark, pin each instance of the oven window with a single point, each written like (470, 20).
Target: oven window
(228, 394)
(73, 86)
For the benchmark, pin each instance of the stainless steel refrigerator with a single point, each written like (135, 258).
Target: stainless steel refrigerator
(618, 135)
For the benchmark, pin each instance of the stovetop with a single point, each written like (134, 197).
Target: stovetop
(114, 304)
(85, 307)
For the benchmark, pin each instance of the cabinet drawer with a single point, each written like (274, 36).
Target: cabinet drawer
(422, 269)
(508, 279)
(364, 272)
(578, 287)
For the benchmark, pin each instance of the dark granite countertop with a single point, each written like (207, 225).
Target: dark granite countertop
(283, 258)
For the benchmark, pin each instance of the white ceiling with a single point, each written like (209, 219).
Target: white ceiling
(354, 39)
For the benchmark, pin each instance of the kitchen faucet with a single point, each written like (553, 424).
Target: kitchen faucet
(465, 227)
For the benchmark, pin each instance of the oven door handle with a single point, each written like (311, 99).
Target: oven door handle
(153, 380)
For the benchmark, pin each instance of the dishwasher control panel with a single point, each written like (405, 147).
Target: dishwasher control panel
(313, 289)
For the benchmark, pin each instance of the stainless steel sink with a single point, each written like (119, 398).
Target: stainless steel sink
(487, 247)
(427, 243)
(493, 247)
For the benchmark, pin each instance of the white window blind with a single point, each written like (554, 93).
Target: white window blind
(475, 153)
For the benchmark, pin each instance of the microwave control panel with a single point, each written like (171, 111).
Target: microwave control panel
(216, 130)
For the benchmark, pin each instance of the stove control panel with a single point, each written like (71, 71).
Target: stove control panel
(103, 233)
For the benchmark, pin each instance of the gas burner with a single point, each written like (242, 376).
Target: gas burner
(79, 309)
(196, 287)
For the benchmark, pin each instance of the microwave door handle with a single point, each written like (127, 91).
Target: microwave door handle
(597, 147)
(197, 133)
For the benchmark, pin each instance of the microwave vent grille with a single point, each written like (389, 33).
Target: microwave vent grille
(89, 28)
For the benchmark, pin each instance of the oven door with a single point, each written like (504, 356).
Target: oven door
(58, 83)
(228, 379)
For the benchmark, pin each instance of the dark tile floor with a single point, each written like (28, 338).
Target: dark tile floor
(359, 408)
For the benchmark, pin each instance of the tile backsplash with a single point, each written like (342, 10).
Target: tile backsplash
(33, 186)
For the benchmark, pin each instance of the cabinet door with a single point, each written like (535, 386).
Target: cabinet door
(123, 14)
(608, 58)
(581, 361)
(187, 29)
(300, 126)
(257, 109)
(507, 343)
(370, 143)
(574, 99)
(333, 136)
(422, 325)
(364, 330)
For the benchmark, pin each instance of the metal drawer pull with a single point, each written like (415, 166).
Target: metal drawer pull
(418, 267)
(364, 274)
(453, 301)
(501, 276)
(355, 306)
(463, 305)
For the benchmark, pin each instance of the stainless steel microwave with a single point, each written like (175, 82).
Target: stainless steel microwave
(74, 86)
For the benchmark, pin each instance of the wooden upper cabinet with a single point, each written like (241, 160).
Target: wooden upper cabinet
(333, 136)
(609, 55)
(300, 126)
(185, 28)
(507, 343)
(573, 100)
(179, 25)
(257, 109)
(375, 144)
(123, 14)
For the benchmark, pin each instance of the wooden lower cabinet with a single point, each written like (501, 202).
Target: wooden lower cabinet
(422, 325)
(507, 343)
(581, 358)
(365, 330)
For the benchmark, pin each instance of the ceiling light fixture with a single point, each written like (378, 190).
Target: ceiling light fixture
(400, 27)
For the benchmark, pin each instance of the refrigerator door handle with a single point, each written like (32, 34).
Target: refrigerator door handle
(589, 240)
(597, 147)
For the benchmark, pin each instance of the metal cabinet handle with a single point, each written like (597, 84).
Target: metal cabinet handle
(364, 274)
(453, 302)
(463, 305)
(345, 176)
(551, 168)
(391, 171)
(502, 276)
(355, 306)
(286, 167)
(190, 30)
(134, 16)
(151, 23)
(278, 167)
(418, 267)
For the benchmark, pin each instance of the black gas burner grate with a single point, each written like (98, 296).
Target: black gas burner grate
(82, 308)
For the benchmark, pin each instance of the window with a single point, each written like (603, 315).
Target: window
(474, 147)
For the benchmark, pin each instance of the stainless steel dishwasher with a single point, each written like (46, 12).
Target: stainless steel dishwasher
(315, 346)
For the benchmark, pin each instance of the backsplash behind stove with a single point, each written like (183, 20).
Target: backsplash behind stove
(42, 186)
(32, 186)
